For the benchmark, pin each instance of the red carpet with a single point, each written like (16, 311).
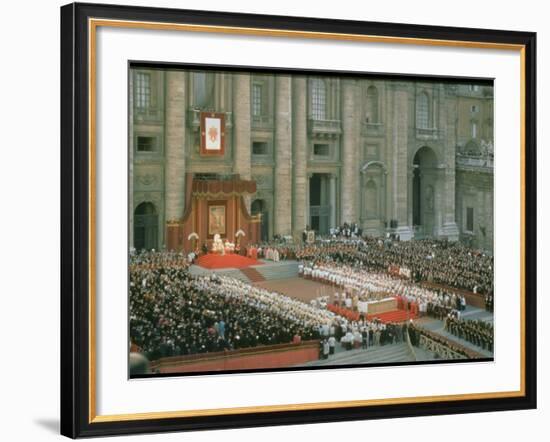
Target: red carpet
(393, 316)
(234, 261)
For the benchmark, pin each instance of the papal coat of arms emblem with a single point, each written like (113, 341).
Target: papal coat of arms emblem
(213, 134)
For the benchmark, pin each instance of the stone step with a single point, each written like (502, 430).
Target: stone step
(379, 354)
(252, 274)
(280, 270)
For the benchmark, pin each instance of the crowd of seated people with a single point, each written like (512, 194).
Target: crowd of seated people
(154, 258)
(439, 261)
(174, 313)
(478, 332)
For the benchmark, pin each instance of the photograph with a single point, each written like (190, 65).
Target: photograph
(292, 220)
(308, 216)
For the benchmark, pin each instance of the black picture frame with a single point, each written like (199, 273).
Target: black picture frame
(76, 416)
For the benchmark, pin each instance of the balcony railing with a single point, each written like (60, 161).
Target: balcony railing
(372, 129)
(474, 161)
(147, 114)
(426, 133)
(324, 127)
(262, 121)
(194, 118)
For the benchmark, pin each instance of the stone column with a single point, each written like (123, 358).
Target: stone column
(241, 128)
(175, 144)
(299, 143)
(384, 200)
(350, 140)
(332, 199)
(401, 193)
(283, 155)
(448, 120)
(410, 185)
(308, 214)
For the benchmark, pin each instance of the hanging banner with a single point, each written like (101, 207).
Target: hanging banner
(212, 134)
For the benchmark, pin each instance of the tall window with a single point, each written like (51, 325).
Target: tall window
(203, 88)
(372, 105)
(256, 100)
(474, 129)
(422, 111)
(143, 90)
(318, 99)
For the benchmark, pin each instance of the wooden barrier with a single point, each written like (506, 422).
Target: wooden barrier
(265, 356)
(445, 347)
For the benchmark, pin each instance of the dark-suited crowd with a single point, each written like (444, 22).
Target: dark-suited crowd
(437, 344)
(480, 333)
(346, 230)
(173, 313)
(153, 258)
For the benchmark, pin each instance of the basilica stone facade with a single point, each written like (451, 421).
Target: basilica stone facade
(408, 157)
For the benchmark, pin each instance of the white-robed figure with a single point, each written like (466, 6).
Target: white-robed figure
(229, 247)
(217, 245)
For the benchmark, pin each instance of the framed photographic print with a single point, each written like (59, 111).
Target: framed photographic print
(290, 203)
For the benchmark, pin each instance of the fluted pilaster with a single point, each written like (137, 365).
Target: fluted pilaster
(299, 144)
(350, 140)
(241, 124)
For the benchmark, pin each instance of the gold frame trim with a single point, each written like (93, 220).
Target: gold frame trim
(93, 24)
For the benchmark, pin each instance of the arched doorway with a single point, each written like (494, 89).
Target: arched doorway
(373, 191)
(424, 185)
(146, 227)
(260, 207)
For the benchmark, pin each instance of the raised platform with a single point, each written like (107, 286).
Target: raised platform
(393, 316)
(228, 261)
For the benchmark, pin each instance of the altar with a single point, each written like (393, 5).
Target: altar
(215, 216)
(376, 307)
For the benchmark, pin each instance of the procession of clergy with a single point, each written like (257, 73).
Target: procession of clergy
(174, 313)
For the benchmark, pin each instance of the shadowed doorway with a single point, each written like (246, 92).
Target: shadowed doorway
(146, 227)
